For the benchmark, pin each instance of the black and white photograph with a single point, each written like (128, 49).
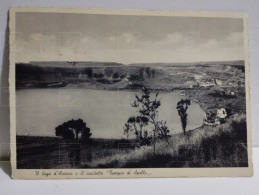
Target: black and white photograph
(124, 90)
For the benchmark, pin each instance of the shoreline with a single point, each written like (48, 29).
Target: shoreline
(174, 92)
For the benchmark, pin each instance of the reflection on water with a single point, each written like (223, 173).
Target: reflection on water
(41, 110)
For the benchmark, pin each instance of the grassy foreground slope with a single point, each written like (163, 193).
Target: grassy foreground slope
(221, 146)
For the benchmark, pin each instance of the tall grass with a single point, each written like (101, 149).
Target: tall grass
(220, 146)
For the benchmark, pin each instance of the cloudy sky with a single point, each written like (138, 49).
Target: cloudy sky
(126, 39)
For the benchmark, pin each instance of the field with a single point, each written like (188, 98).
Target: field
(222, 146)
(52, 152)
(212, 85)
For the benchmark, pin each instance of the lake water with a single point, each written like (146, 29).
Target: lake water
(39, 111)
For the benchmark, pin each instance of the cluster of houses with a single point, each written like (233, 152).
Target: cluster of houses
(208, 82)
(205, 81)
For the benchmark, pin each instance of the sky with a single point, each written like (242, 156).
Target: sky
(127, 39)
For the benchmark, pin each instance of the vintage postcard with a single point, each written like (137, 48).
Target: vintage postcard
(98, 93)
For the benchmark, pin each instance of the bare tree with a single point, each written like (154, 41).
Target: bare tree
(132, 124)
(163, 130)
(148, 108)
(141, 121)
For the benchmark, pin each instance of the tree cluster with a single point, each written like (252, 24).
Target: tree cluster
(74, 130)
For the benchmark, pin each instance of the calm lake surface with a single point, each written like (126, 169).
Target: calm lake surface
(39, 111)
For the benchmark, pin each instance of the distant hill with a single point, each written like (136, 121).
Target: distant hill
(214, 63)
(96, 75)
(69, 64)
